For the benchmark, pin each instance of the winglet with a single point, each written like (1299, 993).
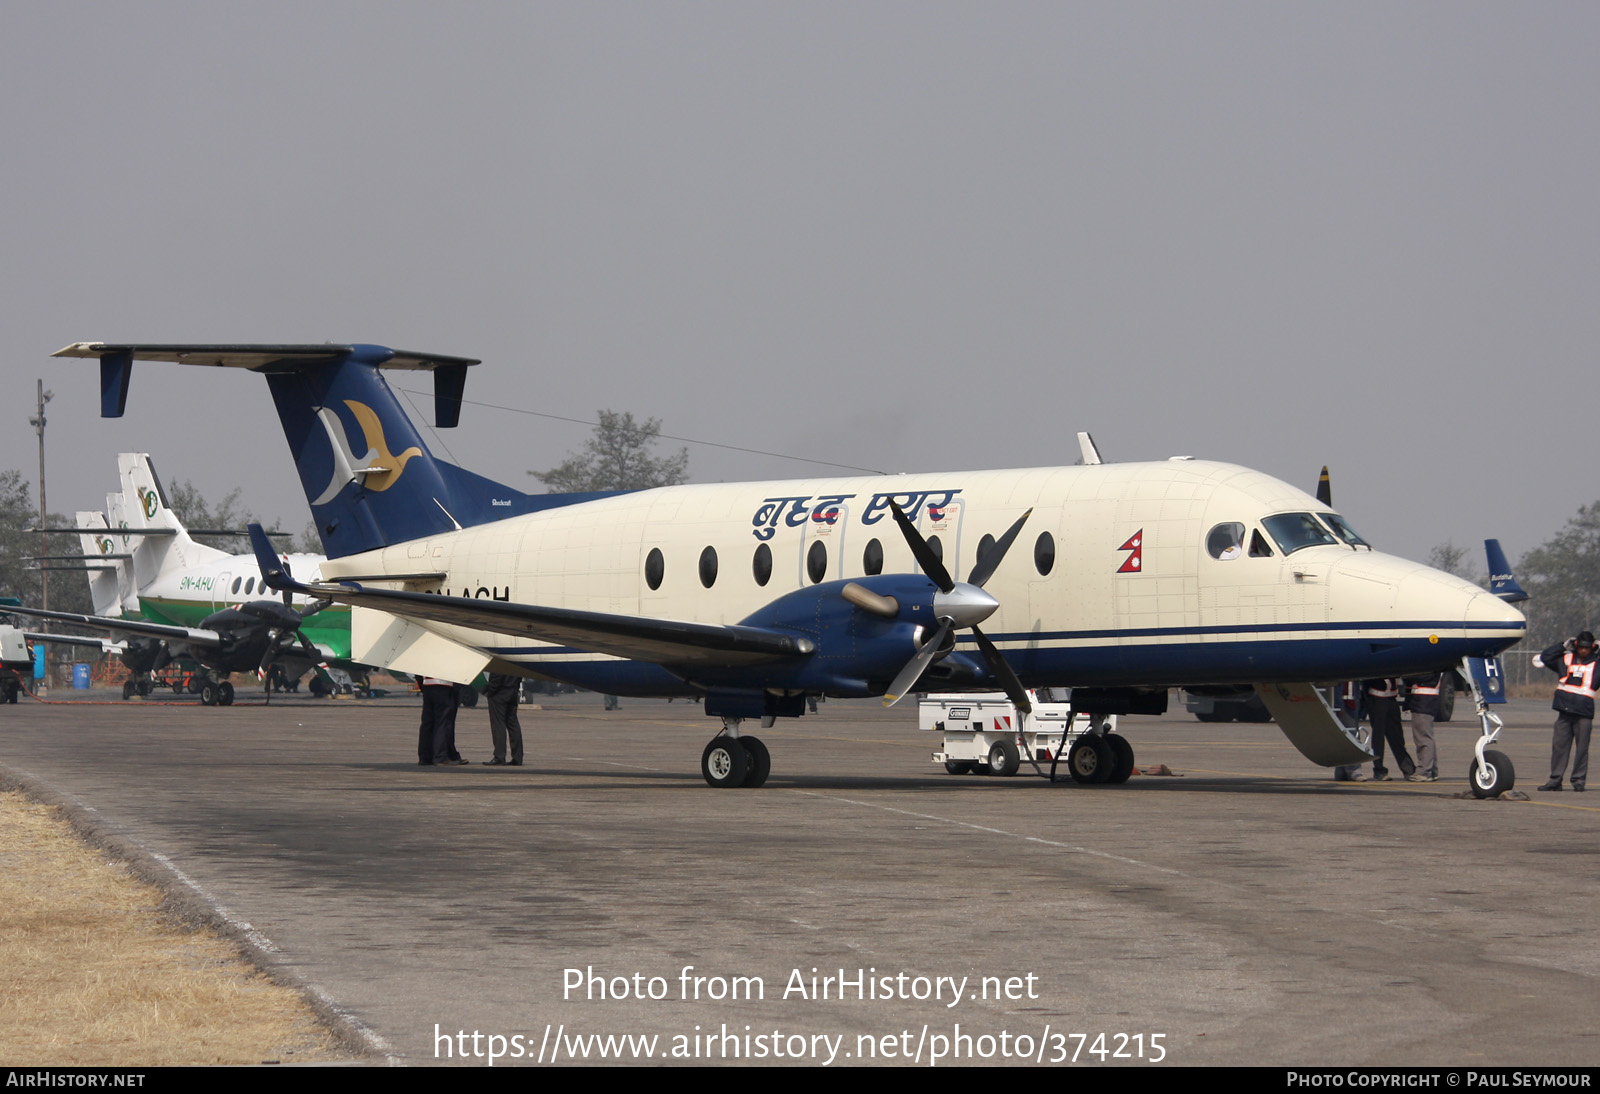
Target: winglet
(1086, 446)
(274, 571)
(1502, 582)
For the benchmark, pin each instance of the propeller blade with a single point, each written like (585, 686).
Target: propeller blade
(990, 562)
(1008, 679)
(274, 648)
(917, 665)
(1325, 488)
(921, 551)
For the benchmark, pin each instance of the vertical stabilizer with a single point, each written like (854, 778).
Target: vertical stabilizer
(1502, 582)
(365, 468)
(144, 505)
(105, 564)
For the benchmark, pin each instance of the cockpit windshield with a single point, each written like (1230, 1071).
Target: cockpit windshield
(1343, 530)
(1292, 531)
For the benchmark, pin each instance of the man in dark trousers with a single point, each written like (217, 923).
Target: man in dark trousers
(1574, 662)
(1383, 711)
(1422, 700)
(436, 736)
(501, 694)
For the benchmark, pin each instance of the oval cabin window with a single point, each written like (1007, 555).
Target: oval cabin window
(1044, 553)
(872, 558)
(817, 562)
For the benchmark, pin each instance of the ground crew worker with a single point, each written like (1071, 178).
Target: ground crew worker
(1383, 711)
(1423, 702)
(1574, 661)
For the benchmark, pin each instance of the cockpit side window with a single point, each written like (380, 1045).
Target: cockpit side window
(1258, 545)
(1294, 531)
(1225, 542)
(1342, 529)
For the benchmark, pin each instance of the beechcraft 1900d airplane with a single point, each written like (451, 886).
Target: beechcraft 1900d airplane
(1117, 581)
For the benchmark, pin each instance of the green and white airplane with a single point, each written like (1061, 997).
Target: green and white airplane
(143, 564)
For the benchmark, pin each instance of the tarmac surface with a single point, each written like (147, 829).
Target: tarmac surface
(1247, 911)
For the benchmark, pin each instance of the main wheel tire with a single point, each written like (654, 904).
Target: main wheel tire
(127, 689)
(959, 767)
(760, 761)
(1121, 758)
(1495, 777)
(1090, 759)
(225, 694)
(1004, 758)
(144, 688)
(724, 762)
(208, 694)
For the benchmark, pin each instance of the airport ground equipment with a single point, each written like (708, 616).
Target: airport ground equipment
(986, 732)
(15, 659)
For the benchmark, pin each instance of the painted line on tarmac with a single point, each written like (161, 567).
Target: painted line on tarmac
(1072, 847)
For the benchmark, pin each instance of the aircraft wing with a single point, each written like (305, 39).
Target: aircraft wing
(662, 641)
(105, 645)
(193, 635)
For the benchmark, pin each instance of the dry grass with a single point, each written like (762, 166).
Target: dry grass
(92, 975)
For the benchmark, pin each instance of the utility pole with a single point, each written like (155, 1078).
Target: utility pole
(44, 538)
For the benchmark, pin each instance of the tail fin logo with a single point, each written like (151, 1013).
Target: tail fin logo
(378, 470)
(149, 502)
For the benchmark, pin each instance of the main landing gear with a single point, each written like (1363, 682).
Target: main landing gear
(734, 759)
(1098, 757)
(214, 694)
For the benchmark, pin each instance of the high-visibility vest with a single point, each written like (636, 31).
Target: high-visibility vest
(1390, 689)
(1422, 689)
(1577, 676)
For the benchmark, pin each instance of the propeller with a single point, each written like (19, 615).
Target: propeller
(1325, 488)
(958, 604)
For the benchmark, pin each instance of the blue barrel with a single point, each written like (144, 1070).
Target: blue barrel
(80, 675)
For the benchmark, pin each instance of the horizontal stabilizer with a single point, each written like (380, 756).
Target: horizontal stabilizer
(117, 358)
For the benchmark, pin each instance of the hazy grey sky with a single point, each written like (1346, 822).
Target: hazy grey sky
(898, 235)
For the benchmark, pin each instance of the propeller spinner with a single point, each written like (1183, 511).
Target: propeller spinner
(957, 605)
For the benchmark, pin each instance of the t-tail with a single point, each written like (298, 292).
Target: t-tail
(365, 468)
(1502, 582)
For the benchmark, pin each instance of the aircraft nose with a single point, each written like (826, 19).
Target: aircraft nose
(1501, 624)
